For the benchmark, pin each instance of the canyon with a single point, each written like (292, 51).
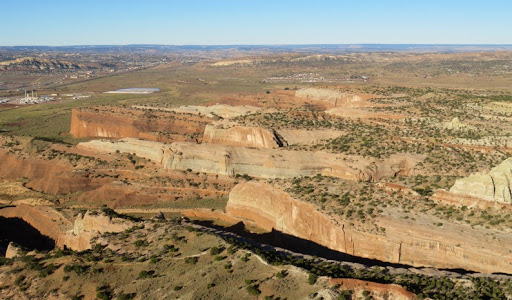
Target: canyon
(418, 243)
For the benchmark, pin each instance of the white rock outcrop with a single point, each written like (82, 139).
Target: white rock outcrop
(493, 186)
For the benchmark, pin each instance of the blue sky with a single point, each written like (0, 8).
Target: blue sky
(213, 22)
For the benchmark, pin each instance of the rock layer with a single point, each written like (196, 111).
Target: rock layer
(105, 124)
(47, 176)
(417, 243)
(241, 136)
(266, 163)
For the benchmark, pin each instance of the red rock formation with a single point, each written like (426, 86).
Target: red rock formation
(135, 123)
(417, 243)
(47, 176)
(377, 290)
(241, 136)
(47, 221)
(54, 225)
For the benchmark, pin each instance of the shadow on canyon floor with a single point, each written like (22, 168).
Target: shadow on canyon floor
(20, 232)
(306, 247)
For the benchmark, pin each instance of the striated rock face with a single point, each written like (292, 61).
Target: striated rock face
(334, 97)
(46, 176)
(494, 186)
(417, 243)
(54, 225)
(241, 136)
(105, 124)
(266, 163)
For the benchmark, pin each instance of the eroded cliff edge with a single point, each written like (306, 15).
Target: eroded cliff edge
(418, 243)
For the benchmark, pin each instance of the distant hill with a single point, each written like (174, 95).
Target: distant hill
(38, 64)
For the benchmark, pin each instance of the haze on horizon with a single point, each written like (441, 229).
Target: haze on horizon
(224, 22)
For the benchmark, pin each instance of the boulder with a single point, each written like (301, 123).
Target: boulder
(12, 251)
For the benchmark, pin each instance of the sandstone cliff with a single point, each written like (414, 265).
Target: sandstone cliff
(416, 243)
(106, 124)
(55, 225)
(46, 176)
(241, 136)
(266, 163)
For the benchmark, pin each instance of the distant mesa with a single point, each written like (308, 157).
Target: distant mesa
(134, 91)
(39, 64)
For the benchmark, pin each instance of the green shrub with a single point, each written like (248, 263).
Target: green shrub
(146, 274)
(104, 292)
(312, 278)
(281, 274)
(123, 296)
(191, 260)
(253, 290)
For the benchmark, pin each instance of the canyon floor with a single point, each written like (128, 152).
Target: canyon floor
(354, 176)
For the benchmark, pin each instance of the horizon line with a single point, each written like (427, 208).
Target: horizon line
(274, 45)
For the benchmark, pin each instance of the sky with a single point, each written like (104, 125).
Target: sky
(254, 22)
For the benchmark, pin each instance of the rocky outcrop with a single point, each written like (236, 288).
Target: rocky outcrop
(107, 124)
(53, 224)
(89, 226)
(12, 251)
(417, 243)
(334, 97)
(456, 124)
(266, 163)
(493, 187)
(241, 136)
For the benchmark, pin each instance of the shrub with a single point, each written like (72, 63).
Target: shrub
(215, 251)
(281, 274)
(146, 274)
(191, 260)
(104, 292)
(312, 278)
(141, 243)
(123, 296)
(253, 290)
